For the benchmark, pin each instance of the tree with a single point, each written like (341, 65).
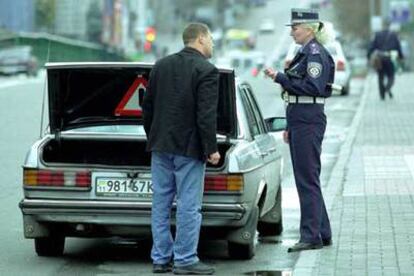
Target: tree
(94, 23)
(45, 14)
(353, 17)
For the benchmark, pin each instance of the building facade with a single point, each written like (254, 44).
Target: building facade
(71, 17)
(17, 15)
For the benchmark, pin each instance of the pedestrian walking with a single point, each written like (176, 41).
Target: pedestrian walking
(180, 110)
(382, 50)
(306, 84)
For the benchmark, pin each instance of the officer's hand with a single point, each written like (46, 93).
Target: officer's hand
(286, 136)
(269, 72)
(214, 158)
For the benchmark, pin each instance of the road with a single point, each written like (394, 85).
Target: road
(21, 107)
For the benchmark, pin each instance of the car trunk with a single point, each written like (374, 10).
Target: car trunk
(92, 95)
(94, 152)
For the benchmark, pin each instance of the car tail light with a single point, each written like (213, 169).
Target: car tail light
(223, 183)
(52, 178)
(287, 63)
(340, 65)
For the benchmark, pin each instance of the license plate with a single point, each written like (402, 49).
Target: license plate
(123, 187)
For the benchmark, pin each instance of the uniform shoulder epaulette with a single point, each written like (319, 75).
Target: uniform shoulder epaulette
(315, 49)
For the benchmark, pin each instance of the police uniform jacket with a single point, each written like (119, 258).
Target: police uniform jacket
(309, 73)
(180, 105)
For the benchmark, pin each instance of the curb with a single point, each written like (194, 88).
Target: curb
(309, 259)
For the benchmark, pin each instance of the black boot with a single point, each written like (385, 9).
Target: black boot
(304, 246)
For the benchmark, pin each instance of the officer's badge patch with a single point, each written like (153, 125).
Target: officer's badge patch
(314, 69)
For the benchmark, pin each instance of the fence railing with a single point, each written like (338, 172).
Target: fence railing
(52, 48)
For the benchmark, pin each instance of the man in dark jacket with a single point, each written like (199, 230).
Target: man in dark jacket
(381, 49)
(180, 110)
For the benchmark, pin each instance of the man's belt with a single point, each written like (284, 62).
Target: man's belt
(384, 53)
(292, 99)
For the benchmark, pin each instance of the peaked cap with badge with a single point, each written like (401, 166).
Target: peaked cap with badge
(300, 16)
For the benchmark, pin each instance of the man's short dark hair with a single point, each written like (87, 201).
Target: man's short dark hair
(193, 31)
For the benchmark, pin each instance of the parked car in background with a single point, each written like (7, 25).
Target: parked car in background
(89, 175)
(342, 66)
(18, 59)
(241, 61)
(240, 39)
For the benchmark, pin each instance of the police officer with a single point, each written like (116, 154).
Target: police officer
(383, 45)
(306, 83)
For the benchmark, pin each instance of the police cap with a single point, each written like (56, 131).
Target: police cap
(299, 16)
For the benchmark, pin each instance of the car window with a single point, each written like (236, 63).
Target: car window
(256, 109)
(235, 63)
(254, 118)
(251, 120)
(248, 63)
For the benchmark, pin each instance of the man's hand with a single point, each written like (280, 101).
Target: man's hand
(214, 158)
(269, 72)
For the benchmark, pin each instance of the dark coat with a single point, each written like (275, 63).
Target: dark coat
(385, 41)
(180, 105)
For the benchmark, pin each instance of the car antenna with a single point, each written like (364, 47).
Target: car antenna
(44, 92)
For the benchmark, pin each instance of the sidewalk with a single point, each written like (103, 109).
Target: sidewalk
(370, 192)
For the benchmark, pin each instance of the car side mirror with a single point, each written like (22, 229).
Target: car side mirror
(276, 124)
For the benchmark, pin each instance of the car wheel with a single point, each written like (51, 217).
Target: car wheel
(266, 228)
(243, 250)
(50, 246)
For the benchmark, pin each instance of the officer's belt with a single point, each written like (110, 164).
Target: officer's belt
(293, 99)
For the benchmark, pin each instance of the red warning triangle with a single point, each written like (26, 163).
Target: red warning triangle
(130, 104)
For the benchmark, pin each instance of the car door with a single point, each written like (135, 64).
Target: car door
(266, 145)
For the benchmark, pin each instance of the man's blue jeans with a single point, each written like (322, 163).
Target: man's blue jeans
(183, 178)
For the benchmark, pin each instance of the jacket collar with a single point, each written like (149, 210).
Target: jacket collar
(191, 50)
(306, 48)
(301, 52)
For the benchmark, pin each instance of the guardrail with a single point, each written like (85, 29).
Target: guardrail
(52, 48)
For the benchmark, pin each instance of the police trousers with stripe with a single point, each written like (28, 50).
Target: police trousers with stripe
(306, 126)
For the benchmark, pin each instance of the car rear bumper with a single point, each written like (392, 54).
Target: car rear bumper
(122, 213)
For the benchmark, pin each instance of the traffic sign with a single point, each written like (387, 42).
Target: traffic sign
(131, 103)
(400, 12)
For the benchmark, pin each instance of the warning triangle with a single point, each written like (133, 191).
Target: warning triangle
(130, 104)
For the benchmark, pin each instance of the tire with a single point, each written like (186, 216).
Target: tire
(272, 228)
(50, 246)
(241, 251)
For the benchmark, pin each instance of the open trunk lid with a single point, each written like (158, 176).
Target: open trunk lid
(98, 94)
